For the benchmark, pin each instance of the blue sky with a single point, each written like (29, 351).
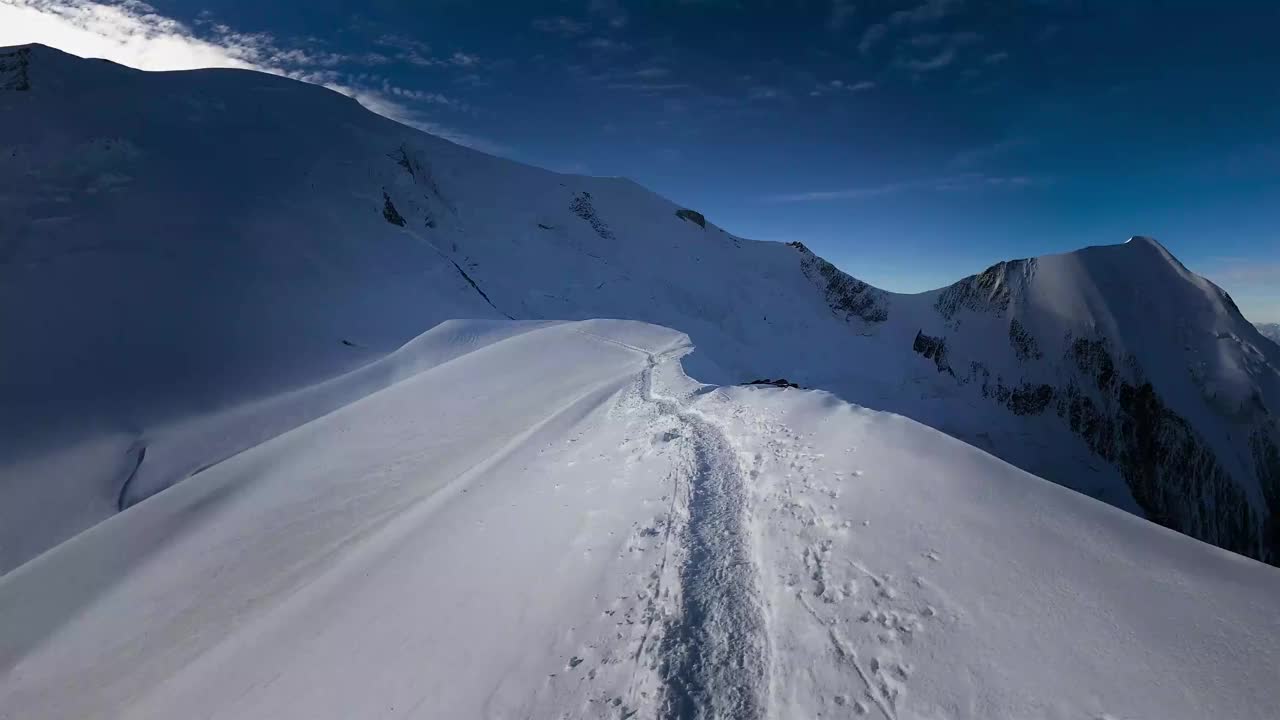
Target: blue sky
(909, 142)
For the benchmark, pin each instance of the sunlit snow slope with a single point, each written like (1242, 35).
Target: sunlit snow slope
(557, 522)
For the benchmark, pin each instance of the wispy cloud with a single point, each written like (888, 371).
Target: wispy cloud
(974, 157)
(948, 183)
(764, 92)
(840, 86)
(604, 44)
(941, 59)
(561, 25)
(135, 34)
(841, 12)
(611, 11)
(927, 11)
(872, 37)
(647, 88)
(953, 39)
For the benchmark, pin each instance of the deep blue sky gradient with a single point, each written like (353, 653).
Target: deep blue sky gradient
(909, 142)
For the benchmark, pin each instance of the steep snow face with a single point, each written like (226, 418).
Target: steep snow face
(183, 282)
(554, 520)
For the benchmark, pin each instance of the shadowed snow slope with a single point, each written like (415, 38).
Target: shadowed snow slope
(559, 523)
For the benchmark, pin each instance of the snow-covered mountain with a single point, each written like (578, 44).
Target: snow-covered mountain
(409, 472)
(248, 235)
(1270, 331)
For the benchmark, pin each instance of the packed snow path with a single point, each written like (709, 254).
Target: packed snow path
(715, 652)
(552, 520)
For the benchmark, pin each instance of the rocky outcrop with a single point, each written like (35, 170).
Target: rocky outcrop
(692, 216)
(846, 295)
(933, 348)
(1103, 397)
(987, 292)
(14, 66)
(582, 207)
(389, 212)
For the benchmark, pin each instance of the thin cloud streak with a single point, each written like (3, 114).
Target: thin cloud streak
(137, 35)
(952, 183)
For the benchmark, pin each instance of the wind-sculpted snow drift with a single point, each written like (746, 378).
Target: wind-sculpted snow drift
(286, 392)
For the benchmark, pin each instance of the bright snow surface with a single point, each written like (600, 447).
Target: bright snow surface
(554, 520)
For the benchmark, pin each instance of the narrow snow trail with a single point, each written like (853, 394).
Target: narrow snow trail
(716, 649)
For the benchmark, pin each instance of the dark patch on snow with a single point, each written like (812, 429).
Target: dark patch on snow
(692, 216)
(933, 348)
(1024, 345)
(582, 207)
(122, 498)
(13, 69)
(780, 382)
(476, 287)
(1170, 469)
(389, 211)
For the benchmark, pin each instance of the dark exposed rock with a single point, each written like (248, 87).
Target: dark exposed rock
(389, 211)
(1266, 462)
(780, 382)
(581, 206)
(933, 348)
(14, 70)
(987, 292)
(1024, 344)
(844, 294)
(692, 216)
(1171, 470)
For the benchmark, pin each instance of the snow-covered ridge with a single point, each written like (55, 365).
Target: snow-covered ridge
(248, 239)
(553, 520)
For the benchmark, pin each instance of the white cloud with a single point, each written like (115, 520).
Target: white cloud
(135, 34)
